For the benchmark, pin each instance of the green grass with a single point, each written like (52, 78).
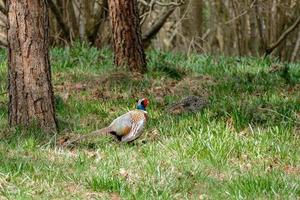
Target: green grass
(244, 145)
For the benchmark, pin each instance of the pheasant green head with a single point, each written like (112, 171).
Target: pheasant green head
(142, 104)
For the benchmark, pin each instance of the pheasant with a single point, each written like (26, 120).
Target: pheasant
(129, 126)
(188, 104)
(126, 127)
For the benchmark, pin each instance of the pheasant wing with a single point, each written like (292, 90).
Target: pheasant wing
(135, 131)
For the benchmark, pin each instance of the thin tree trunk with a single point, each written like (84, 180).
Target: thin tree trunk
(126, 30)
(252, 38)
(31, 99)
(59, 18)
(192, 24)
(69, 14)
(260, 26)
(99, 19)
(296, 49)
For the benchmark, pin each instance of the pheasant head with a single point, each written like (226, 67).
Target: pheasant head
(142, 104)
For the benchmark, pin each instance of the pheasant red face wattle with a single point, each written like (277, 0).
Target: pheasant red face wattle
(145, 102)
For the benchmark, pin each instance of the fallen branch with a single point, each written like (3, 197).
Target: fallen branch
(283, 36)
(149, 35)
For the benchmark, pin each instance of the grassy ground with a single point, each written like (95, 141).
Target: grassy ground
(244, 145)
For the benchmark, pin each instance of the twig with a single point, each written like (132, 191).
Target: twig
(170, 3)
(241, 14)
(143, 2)
(205, 35)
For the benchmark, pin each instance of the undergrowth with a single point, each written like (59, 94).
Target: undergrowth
(244, 145)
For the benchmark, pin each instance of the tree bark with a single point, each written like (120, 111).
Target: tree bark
(31, 100)
(126, 30)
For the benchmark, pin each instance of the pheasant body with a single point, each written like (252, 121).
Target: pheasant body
(129, 126)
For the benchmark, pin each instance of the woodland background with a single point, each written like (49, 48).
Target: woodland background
(226, 27)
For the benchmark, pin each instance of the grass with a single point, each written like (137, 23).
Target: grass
(244, 145)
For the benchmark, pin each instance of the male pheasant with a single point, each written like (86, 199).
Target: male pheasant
(125, 128)
(129, 126)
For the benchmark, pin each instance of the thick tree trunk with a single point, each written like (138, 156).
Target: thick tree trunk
(126, 30)
(31, 99)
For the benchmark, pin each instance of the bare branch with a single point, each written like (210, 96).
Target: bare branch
(242, 13)
(143, 2)
(283, 36)
(156, 27)
(170, 3)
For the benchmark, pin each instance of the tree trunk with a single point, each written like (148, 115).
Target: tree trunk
(296, 49)
(252, 42)
(192, 24)
(126, 30)
(31, 99)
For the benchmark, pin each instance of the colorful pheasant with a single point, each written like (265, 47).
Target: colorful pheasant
(125, 128)
(129, 126)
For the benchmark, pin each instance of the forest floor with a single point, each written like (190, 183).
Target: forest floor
(244, 145)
